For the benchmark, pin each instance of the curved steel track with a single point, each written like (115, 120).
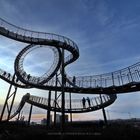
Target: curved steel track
(121, 81)
(77, 106)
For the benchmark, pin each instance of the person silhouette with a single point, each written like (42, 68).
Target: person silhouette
(74, 80)
(88, 100)
(24, 74)
(84, 102)
(8, 75)
(28, 77)
(4, 73)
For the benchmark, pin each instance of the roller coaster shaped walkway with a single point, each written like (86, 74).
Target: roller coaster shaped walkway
(121, 81)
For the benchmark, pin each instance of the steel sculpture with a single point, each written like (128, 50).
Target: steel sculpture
(56, 79)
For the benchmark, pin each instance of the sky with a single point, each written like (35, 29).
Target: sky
(106, 32)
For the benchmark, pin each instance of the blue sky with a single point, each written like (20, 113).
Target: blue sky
(106, 32)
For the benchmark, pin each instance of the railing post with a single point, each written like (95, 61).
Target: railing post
(100, 80)
(138, 74)
(95, 83)
(130, 74)
(90, 81)
(113, 79)
(121, 77)
(119, 80)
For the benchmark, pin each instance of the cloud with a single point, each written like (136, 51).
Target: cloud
(107, 34)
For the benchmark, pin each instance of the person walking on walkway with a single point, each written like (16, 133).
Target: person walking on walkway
(74, 80)
(28, 77)
(84, 102)
(88, 100)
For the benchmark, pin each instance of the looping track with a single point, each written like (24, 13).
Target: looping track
(121, 81)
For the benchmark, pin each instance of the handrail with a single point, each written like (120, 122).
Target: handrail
(43, 103)
(39, 34)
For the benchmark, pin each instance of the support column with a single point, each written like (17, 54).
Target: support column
(12, 102)
(55, 102)
(103, 110)
(49, 107)
(30, 113)
(63, 92)
(10, 95)
(70, 108)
